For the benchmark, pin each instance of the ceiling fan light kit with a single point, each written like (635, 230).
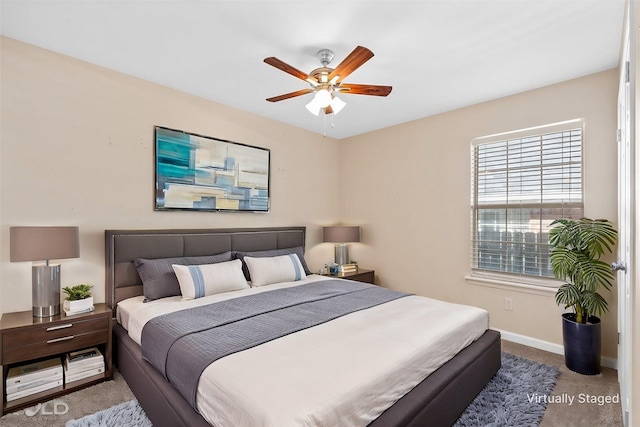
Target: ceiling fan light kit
(322, 97)
(326, 82)
(337, 104)
(322, 100)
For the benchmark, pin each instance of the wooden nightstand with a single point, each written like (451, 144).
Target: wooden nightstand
(362, 275)
(24, 339)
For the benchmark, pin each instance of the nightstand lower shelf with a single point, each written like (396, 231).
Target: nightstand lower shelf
(47, 395)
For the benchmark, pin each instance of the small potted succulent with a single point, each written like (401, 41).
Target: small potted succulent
(79, 299)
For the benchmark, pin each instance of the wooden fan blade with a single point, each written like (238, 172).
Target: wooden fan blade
(280, 65)
(374, 90)
(359, 56)
(289, 95)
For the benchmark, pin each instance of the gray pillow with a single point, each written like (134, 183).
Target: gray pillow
(158, 278)
(298, 250)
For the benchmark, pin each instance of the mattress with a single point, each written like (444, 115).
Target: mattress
(330, 374)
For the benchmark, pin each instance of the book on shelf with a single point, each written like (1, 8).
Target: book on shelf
(35, 383)
(349, 268)
(33, 371)
(69, 378)
(77, 368)
(34, 390)
(87, 356)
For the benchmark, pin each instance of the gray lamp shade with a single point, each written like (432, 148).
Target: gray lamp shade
(341, 233)
(43, 243)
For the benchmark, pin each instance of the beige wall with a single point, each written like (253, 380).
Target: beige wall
(409, 187)
(77, 149)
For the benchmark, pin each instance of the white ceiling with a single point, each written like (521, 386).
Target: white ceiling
(438, 55)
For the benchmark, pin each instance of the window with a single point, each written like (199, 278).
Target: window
(521, 182)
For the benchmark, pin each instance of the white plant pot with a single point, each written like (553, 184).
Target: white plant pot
(78, 305)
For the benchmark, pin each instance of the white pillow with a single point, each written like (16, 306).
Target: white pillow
(197, 281)
(268, 270)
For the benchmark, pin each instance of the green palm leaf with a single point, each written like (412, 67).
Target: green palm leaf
(596, 302)
(596, 273)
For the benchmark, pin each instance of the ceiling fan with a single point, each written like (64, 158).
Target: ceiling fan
(327, 82)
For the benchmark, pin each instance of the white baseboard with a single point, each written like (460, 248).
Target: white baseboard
(607, 362)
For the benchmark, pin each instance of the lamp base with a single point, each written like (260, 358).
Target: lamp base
(341, 254)
(45, 290)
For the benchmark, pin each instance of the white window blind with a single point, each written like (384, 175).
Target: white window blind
(521, 182)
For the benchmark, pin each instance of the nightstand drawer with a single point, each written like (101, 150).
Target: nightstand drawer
(54, 346)
(363, 276)
(51, 333)
(360, 275)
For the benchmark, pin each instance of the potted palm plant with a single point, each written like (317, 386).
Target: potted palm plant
(79, 299)
(576, 249)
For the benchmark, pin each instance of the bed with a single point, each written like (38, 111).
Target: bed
(435, 400)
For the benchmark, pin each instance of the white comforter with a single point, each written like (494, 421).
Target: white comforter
(345, 372)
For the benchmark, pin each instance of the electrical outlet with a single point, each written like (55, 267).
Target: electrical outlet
(508, 304)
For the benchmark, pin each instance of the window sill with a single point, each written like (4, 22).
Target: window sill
(531, 286)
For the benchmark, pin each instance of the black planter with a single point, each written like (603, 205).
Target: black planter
(581, 344)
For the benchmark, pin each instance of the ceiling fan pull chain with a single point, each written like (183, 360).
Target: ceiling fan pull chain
(324, 125)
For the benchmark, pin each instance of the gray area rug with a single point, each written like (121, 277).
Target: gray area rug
(125, 414)
(513, 397)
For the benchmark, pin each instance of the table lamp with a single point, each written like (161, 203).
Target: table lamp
(341, 235)
(44, 244)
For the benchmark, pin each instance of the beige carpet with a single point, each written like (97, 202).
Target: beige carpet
(569, 383)
(80, 403)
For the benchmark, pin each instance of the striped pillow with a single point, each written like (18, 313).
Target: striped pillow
(268, 270)
(197, 281)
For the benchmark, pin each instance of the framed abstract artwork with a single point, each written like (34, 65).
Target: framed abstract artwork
(202, 173)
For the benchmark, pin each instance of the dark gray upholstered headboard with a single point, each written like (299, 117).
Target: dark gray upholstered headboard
(123, 246)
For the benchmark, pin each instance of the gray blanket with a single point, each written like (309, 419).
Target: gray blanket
(182, 344)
